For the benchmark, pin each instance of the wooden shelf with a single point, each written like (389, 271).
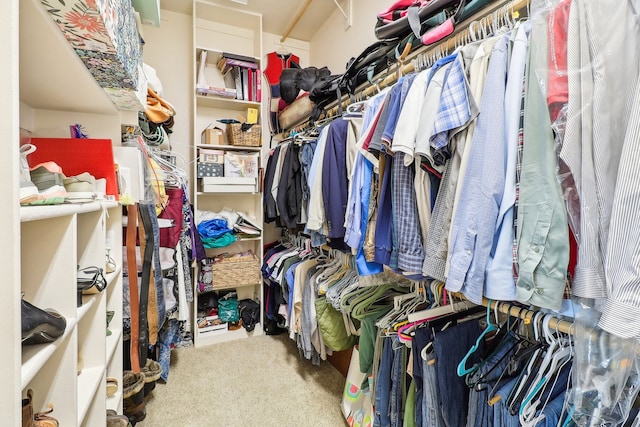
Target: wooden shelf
(36, 213)
(213, 101)
(87, 302)
(220, 337)
(112, 342)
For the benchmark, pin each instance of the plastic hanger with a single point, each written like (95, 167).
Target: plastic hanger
(462, 366)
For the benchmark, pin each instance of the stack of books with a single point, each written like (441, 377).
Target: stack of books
(204, 89)
(244, 72)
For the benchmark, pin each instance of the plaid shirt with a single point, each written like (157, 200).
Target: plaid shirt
(405, 216)
(454, 110)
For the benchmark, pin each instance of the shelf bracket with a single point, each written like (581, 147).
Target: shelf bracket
(348, 15)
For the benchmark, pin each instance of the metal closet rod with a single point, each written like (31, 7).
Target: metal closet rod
(486, 16)
(528, 315)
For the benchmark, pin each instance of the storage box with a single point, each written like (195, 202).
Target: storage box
(213, 135)
(251, 137)
(211, 156)
(228, 185)
(207, 169)
(241, 165)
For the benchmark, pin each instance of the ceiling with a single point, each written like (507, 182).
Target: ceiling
(277, 15)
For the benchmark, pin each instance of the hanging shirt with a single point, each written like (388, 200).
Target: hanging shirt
(437, 238)
(270, 209)
(481, 193)
(398, 95)
(543, 239)
(316, 215)
(404, 138)
(334, 178)
(500, 283)
(604, 60)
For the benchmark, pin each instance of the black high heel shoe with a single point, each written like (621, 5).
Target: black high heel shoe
(88, 278)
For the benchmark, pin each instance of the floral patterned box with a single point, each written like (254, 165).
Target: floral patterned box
(104, 35)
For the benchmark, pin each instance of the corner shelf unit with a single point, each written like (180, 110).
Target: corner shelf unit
(48, 88)
(218, 29)
(78, 362)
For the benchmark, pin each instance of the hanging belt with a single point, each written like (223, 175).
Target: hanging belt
(132, 271)
(147, 241)
(146, 236)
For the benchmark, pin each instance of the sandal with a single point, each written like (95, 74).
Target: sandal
(112, 386)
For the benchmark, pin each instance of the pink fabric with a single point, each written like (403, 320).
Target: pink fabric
(438, 33)
(387, 14)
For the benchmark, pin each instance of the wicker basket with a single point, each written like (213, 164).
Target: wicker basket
(228, 272)
(249, 138)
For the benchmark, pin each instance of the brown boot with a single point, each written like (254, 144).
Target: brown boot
(133, 396)
(152, 371)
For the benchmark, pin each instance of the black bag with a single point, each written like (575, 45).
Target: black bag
(249, 313)
(292, 80)
(374, 59)
(404, 25)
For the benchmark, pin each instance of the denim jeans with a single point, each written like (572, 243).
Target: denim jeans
(398, 384)
(421, 338)
(451, 345)
(431, 415)
(485, 378)
(501, 415)
(383, 386)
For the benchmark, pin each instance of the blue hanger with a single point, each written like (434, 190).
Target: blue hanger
(462, 366)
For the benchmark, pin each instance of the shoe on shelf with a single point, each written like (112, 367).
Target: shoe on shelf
(43, 419)
(112, 386)
(48, 178)
(38, 419)
(80, 188)
(115, 420)
(40, 326)
(28, 191)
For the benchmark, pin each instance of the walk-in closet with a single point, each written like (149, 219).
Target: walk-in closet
(322, 213)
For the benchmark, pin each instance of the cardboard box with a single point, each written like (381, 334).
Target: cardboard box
(211, 156)
(213, 135)
(210, 169)
(240, 165)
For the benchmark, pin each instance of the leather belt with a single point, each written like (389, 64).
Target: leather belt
(146, 236)
(147, 240)
(132, 271)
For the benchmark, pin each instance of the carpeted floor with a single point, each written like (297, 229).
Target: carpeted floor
(260, 381)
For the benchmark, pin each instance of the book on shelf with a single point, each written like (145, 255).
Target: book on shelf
(250, 84)
(226, 64)
(245, 83)
(258, 85)
(237, 72)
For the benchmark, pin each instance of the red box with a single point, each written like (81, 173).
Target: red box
(75, 156)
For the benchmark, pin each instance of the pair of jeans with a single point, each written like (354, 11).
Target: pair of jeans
(450, 346)
(431, 415)
(398, 383)
(484, 379)
(421, 338)
(383, 386)
(501, 415)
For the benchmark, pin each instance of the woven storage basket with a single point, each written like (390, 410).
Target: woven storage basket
(249, 138)
(225, 272)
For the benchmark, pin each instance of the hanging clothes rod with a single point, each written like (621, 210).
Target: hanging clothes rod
(448, 44)
(528, 315)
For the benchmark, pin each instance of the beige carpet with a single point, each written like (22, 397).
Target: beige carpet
(260, 381)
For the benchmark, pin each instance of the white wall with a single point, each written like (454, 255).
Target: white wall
(169, 50)
(333, 46)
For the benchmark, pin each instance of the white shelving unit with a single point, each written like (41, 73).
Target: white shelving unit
(221, 29)
(47, 88)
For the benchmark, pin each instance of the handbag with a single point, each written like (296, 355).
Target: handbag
(397, 21)
(158, 110)
(356, 400)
